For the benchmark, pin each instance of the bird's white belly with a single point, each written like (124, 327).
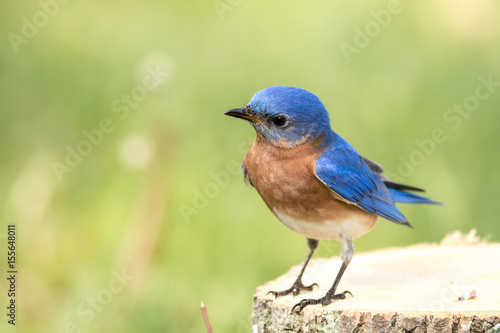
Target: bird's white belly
(350, 227)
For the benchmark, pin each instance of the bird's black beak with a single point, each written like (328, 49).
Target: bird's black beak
(243, 113)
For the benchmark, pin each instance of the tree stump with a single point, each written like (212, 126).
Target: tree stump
(422, 288)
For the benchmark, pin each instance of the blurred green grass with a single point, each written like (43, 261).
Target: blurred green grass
(109, 214)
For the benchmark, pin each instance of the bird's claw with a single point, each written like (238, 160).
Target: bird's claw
(308, 301)
(342, 295)
(324, 300)
(294, 290)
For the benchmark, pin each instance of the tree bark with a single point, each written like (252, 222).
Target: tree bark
(422, 288)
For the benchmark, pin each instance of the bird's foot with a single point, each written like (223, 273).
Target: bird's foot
(323, 301)
(294, 290)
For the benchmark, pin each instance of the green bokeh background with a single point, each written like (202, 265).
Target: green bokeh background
(120, 209)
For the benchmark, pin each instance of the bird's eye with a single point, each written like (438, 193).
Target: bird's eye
(280, 120)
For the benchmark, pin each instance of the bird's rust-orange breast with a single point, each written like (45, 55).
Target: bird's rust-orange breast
(286, 181)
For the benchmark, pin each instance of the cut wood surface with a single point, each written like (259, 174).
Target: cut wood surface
(413, 289)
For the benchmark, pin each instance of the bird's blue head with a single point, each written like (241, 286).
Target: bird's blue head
(286, 116)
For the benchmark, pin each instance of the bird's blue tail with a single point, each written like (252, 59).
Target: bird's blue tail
(408, 197)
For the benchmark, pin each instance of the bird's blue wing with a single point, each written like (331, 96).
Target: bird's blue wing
(343, 170)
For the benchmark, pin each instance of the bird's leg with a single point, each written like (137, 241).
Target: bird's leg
(298, 285)
(346, 255)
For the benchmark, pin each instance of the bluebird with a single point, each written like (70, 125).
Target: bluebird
(313, 181)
